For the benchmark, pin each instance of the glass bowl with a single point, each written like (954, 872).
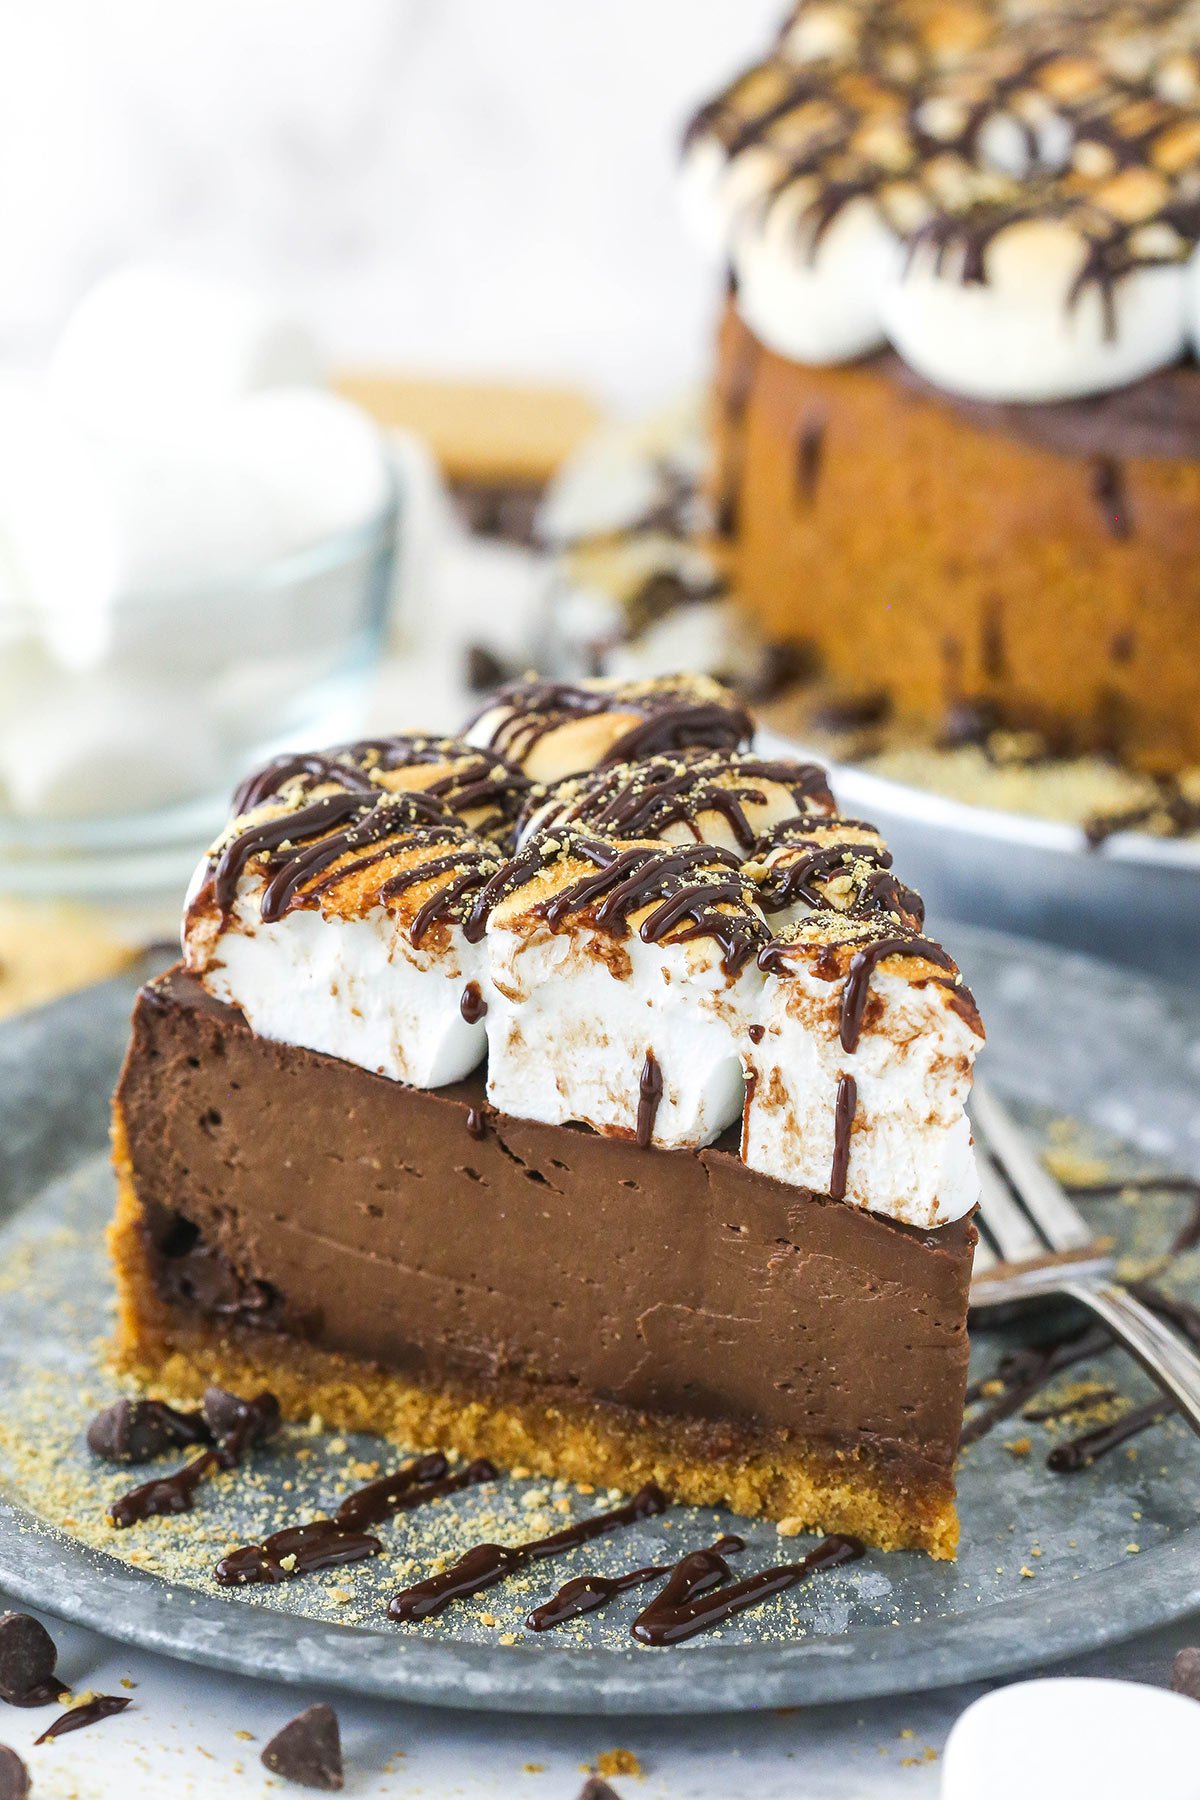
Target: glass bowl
(123, 736)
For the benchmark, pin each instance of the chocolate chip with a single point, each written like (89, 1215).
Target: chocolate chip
(596, 1788)
(14, 1776)
(236, 1424)
(134, 1431)
(1185, 1673)
(27, 1656)
(308, 1750)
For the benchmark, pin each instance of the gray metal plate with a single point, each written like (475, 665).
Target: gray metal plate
(1069, 1039)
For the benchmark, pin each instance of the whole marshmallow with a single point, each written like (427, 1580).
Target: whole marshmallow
(149, 346)
(1048, 1739)
(814, 297)
(57, 529)
(321, 457)
(83, 746)
(1018, 334)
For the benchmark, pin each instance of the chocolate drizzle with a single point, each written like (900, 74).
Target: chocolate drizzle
(858, 981)
(486, 1564)
(472, 1006)
(688, 1605)
(1083, 1451)
(588, 1593)
(416, 1484)
(101, 1706)
(699, 889)
(231, 1426)
(174, 1493)
(646, 799)
(843, 1125)
(774, 959)
(329, 1543)
(477, 780)
(675, 716)
(650, 1093)
(800, 868)
(297, 1550)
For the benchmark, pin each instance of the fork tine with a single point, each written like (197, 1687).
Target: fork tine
(1006, 1223)
(1058, 1219)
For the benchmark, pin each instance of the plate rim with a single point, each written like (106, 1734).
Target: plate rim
(478, 1677)
(942, 812)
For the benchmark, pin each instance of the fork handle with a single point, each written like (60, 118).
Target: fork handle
(1167, 1357)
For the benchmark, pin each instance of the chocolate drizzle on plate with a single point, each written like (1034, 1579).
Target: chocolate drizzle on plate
(296, 1550)
(650, 1093)
(1083, 1451)
(101, 1706)
(486, 1564)
(416, 1484)
(329, 1543)
(588, 1593)
(231, 1427)
(699, 1593)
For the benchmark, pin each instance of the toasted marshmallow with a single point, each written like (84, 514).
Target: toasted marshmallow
(341, 930)
(859, 1078)
(1034, 328)
(622, 982)
(811, 294)
(552, 729)
(479, 788)
(838, 863)
(697, 797)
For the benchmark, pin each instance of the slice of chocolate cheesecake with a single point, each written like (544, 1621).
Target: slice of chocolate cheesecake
(612, 1128)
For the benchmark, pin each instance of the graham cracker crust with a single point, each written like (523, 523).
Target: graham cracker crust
(802, 1486)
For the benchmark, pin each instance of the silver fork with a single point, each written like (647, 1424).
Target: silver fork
(1034, 1244)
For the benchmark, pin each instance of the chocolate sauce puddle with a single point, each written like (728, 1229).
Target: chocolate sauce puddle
(689, 1605)
(588, 1593)
(486, 1564)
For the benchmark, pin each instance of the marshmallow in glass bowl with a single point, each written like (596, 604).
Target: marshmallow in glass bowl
(196, 547)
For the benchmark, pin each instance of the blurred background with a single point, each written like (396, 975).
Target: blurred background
(353, 360)
(444, 184)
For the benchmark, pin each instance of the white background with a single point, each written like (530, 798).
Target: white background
(478, 184)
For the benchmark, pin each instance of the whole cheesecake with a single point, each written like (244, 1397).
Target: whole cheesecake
(580, 1092)
(956, 409)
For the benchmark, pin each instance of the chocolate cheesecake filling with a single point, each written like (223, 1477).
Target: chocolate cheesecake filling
(277, 1199)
